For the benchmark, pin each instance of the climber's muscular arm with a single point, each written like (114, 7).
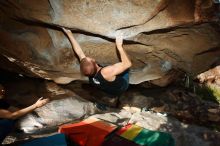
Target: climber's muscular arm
(110, 72)
(76, 47)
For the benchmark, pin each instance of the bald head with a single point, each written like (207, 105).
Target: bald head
(88, 66)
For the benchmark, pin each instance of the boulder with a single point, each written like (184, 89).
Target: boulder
(210, 76)
(64, 106)
(210, 83)
(161, 37)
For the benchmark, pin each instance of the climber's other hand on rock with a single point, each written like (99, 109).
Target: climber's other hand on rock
(119, 40)
(67, 31)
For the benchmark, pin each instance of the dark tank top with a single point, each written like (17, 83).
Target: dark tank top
(116, 87)
(4, 104)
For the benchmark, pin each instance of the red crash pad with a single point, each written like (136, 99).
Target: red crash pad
(90, 132)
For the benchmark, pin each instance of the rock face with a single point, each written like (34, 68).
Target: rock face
(161, 36)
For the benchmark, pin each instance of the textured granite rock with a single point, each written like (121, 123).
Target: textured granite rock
(161, 36)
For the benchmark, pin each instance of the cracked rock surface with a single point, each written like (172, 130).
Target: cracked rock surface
(161, 37)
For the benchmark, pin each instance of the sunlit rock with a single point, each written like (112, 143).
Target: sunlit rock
(161, 37)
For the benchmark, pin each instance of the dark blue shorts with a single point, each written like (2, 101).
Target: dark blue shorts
(6, 127)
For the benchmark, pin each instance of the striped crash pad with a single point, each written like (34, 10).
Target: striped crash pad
(133, 135)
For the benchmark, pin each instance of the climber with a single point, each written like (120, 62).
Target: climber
(9, 114)
(112, 79)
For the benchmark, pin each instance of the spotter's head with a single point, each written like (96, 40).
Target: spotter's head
(2, 91)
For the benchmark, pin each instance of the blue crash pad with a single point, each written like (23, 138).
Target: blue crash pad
(54, 140)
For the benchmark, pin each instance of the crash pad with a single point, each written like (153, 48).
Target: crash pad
(90, 132)
(54, 140)
(133, 135)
